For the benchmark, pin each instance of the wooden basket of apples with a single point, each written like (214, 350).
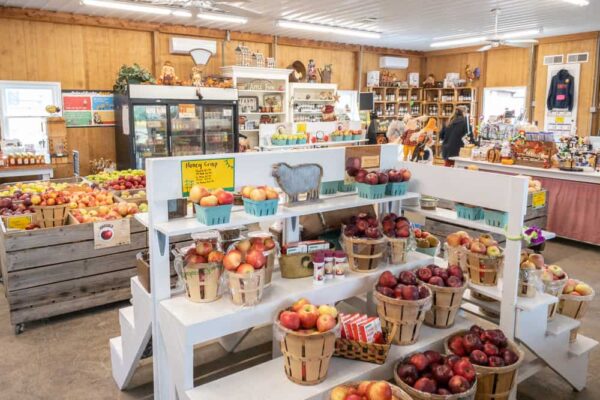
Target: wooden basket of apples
(575, 301)
(398, 233)
(259, 241)
(371, 185)
(246, 275)
(363, 242)
(212, 208)
(455, 246)
(554, 280)
(495, 358)
(202, 269)
(401, 305)
(484, 260)
(447, 287)
(260, 201)
(426, 242)
(433, 376)
(530, 271)
(52, 210)
(308, 336)
(368, 390)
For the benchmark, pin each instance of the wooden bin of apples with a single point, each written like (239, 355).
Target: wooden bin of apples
(363, 242)
(481, 258)
(378, 184)
(398, 232)
(308, 336)
(448, 286)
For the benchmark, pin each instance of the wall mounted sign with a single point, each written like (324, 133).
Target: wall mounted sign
(210, 173)
(88, 108)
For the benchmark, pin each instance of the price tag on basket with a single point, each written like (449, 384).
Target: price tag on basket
(538, 199)
(112, 233)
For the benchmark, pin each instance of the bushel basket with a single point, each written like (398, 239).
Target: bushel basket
(51, 216)
(445, 305)
(364, 254)
(398, 249)
(246, 289)
(574, 307)
(554, 288)
(483, 269)
(202, 281)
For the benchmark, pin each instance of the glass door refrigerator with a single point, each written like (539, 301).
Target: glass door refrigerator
(162, 121)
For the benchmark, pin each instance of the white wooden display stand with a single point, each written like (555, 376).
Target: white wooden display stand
(178, 324)
(298, 95)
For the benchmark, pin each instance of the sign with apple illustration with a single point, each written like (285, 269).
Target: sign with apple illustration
(112, 233)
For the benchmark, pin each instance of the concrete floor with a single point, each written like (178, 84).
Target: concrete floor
(68, 357)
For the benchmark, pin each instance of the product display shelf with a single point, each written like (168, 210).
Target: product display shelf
(311, 145)
(523, 303)
(274, 385)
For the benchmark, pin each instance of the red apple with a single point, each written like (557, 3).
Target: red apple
(383, 178)
(308, 316)
(361, 175)
(423, 292)
(386, 291)
(442, 373)
(437, 281)
(453, 240)
(458, 384)
(232, 260)
(410, 292)
(215, 256)
(426, 385)
(325, 322)
(204, 248)
(490, 349)
(478, 357)
(269, 244)
(455, 270)
(245, 269)
(457, 346)
(451, 359)
(453, 281)
(394, 175)
(406, 175)
(379, 390)
(420, 361)
(443, 391)
(297, 306)
(408, 373)
(258, 245)
(424, 274)
(478, 247)
(225, 198)
(496, 361)
(472, 342)
(372, 232)
(387, 279)
(371, 178)
(407, 278)
(464, 368)
(434, 357)
(290, 320)
(509, 356)
(256, 258)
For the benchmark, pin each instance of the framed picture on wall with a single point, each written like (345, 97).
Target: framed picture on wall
(248, 104)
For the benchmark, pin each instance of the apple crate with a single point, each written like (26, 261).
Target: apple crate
(261, 208)
(575, 307)
(397, 393)
(398, 249)
(51, 216)
(370, 352)
(213, 215)
(483, 269)
(494, 383)
(406, 316)
(413, 393)
(364, 254)
(445, 305)
(329, 187)
(371, 192)
(246, 289)
(345, 188)
(465, 211)
(528, 282)
(495, 218)
(554, 288)
(306, 357)
(396, 188)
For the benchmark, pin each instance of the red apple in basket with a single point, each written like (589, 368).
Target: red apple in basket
(433, 356)
(420, 361)
(408, 373)
(379, 390)
(405, 175)
(424, 274)
(410, 292)
(269, 244)
(455, 270)
(478, 357)
(325, 322)
(394, 175)
(383, 178)
(426, 385)
(453, 239)
(361, 175)
(204, 248)
(258, 245)
(308, 316)
(232, 260)
(457, 346)
(256, 258)
(290, 320)
(472, 342)
(478, 247)
(442, 373)
(372, 178)
(407, 278)
(458, 384)
(464, 368)
(297, 306)
(215, 256)
(225, 198)
(388, 279)
(496, 361)
(245, 269)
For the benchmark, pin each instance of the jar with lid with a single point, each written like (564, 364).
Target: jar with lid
(340, 264)
(32, 159)
(19, 159)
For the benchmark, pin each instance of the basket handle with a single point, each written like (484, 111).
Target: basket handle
(391, 335)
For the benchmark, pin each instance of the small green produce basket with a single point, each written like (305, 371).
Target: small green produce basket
(430, 251)
(371, 192)
(495, 218)
(396, 188)
(337, 138)
(356, 137)
(343, 188)
(213, 215)
(291, 141)
(278, 142)
(329, 187)
(469, 212)
(261, 208)
(302, 141)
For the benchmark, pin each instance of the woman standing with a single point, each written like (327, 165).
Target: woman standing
(453, 135)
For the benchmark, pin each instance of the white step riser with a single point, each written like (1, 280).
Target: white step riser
(129, 337)
(116, 359)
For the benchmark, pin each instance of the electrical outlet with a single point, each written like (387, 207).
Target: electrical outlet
(593, 109)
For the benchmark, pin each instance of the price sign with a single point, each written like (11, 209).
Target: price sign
(18, 221)
(211, 173)
(112, 233)
(538, 199)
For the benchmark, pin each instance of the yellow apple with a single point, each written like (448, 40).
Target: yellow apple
(327, 309)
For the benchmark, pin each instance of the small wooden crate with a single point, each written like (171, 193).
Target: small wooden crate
(406, 315)
(494, 383)
(445, 305)
(398, 249)
(418, 395)
(554, 288)
(574, 307)
(306, 357)
(51, 216)
(203, 282)
(397, 392)
(483, 269)
(246, 289)
(370, 352)
(363, 254)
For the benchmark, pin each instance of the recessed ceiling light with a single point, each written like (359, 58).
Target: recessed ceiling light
(127, 7)
(327, 29)
(580, 3)
(223, 17)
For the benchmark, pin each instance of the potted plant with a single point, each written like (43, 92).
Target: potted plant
(131, 74)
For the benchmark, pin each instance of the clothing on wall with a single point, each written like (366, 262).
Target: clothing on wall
(562, 91)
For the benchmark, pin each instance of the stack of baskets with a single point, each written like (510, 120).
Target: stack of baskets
(364, 255)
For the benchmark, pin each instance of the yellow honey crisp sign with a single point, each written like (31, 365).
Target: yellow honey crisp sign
(211, 173)
(538, 199)
(18, 221)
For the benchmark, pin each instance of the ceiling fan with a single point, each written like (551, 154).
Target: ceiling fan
(215, 6)
(509, 38)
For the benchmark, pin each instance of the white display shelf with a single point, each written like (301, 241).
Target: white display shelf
(313, 101)
(560, 324)
(248, 130)
(274, 385)
(259, 91)
(184, 226)
(523, 303)
(309, 145)
(202, 322)
(263, 113)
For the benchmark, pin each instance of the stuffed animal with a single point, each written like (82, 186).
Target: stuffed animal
(429, 82)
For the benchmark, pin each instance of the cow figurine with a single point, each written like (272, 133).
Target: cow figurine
(298, 180)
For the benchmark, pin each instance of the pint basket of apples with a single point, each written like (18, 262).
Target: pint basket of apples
(368, 390)
(575, 301)
(202, 268)
(371, 185)
(308, 336)
(401, 305)
(447, 287)
(397, 182)
(260, 201)
(426, 242)
(433, 376)
(398, 233)
(259, 241)
(484, 259)
(554, 279)
(363, 242)
(495, 358)
(212, 208)
(52, 209)
(246, 275)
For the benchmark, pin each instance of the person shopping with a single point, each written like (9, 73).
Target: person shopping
(453, 135)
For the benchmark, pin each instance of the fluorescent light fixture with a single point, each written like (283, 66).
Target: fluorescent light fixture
(222, 17)
(519, 34)
(459, 42)
(282, 23)
(580, 3)
(127, 7)
(182, 13)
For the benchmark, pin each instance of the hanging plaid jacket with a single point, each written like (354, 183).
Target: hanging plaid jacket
(562, 88)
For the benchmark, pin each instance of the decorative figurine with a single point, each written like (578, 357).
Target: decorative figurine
(312, 71)
(303, 179)
(196, 76)
(167, 75)
(325, 74)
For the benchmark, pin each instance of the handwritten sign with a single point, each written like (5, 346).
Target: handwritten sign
(112, 233)
(210, 173)
(18, 221)
(538, 199)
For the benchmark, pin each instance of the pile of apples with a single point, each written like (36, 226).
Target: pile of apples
(534, 185)
(51, 198)
(403, 287)
(107, 179)
(371, 178)
(552, 273)
(105, 213)
(8, 207)
(248, 255)
(17, 195)
(485, 244)
(425, 239)
(126, 182)
(434, 275)
(204, 251)
(205, 198)
(94, 198)
(395, 227)
(532, 261)
(259, 193)
(306, 318)
(366, 390)
(363, 225)
(574, 287)
(431, 372)
(129, 195)
(485, 347)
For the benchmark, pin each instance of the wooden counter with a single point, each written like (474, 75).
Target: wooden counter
(43, 170)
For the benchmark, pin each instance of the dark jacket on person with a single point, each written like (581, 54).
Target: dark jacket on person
(562, 91)
(452, 135)
(372, 131)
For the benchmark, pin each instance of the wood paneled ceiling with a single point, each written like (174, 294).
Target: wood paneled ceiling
(404, 24)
